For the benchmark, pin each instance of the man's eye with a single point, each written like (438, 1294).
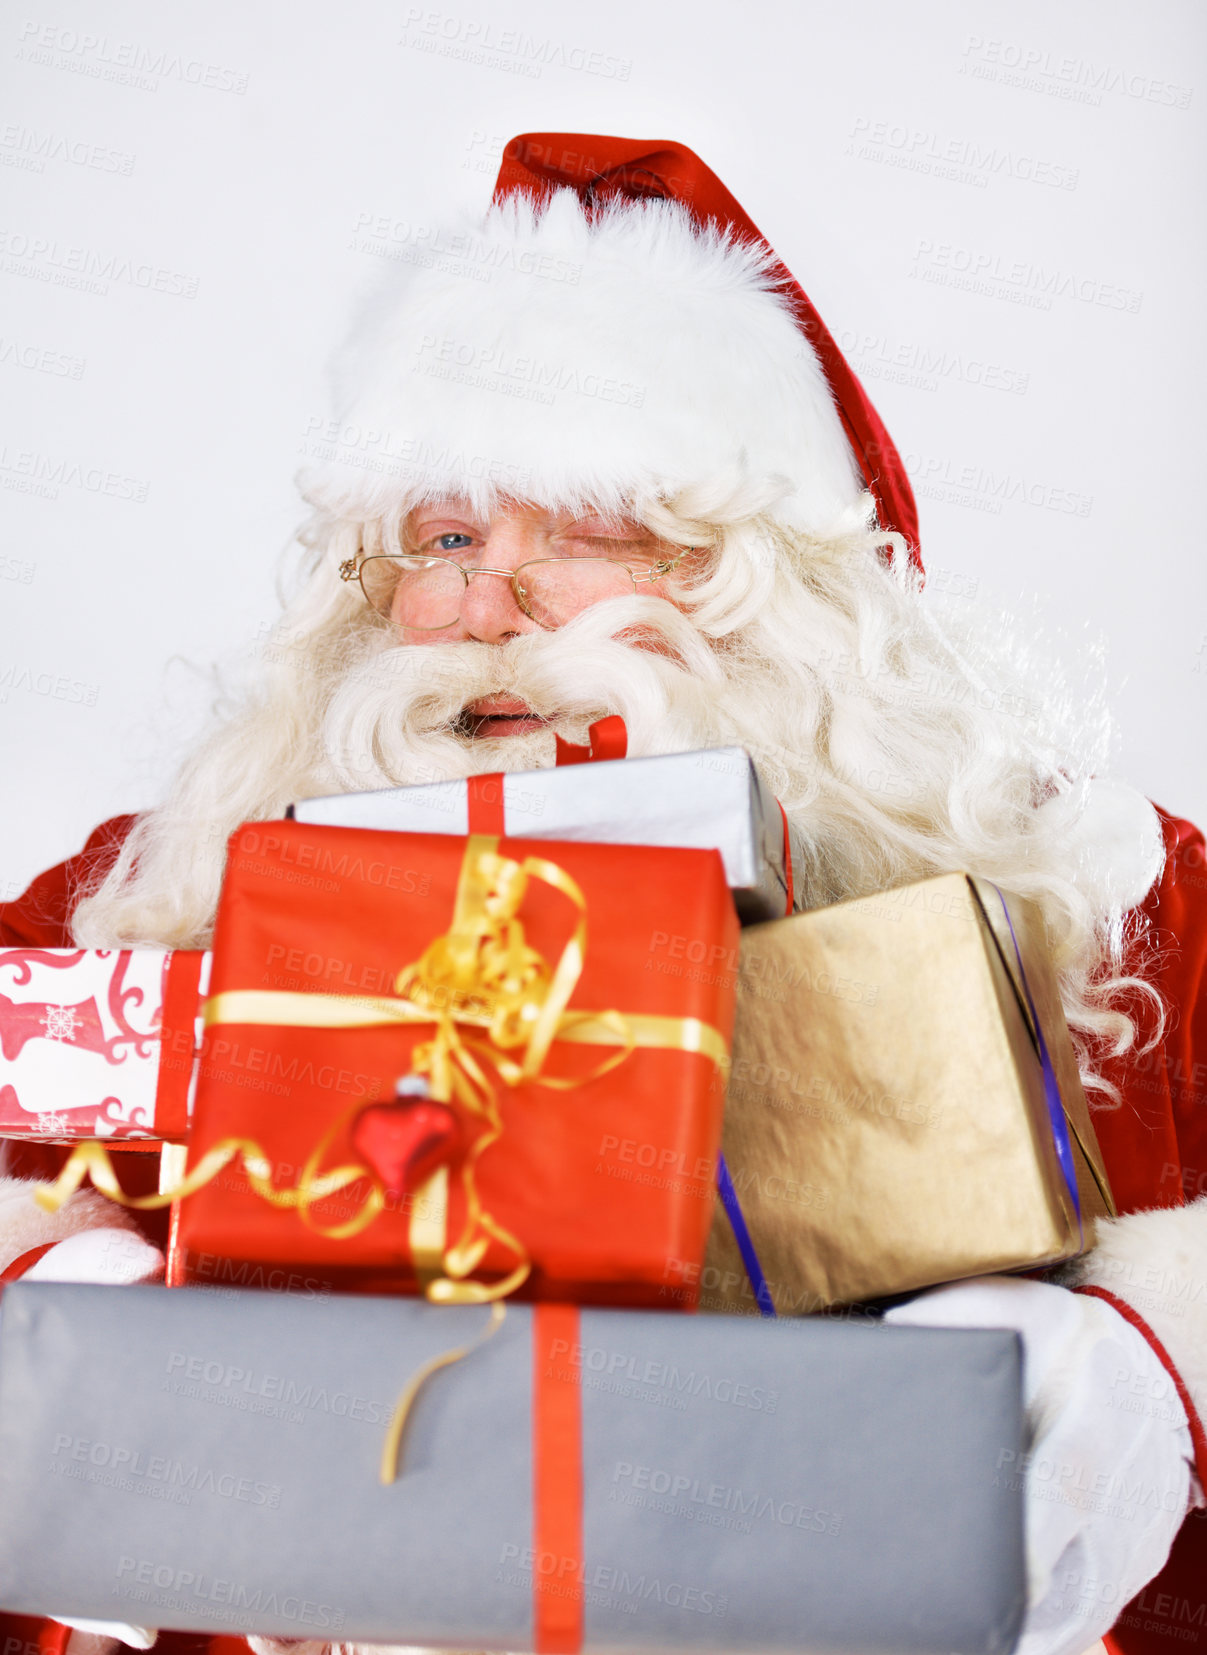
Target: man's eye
(606, 528)
(576, 544)
(450, 543)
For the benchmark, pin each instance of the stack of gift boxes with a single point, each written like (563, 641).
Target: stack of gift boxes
(502, 1078)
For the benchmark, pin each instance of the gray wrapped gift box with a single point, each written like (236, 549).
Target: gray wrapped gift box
(711, 800)
(208, 1460)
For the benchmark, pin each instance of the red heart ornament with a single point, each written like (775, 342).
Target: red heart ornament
(405, 1142)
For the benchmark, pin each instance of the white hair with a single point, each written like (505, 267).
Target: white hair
(902, 742)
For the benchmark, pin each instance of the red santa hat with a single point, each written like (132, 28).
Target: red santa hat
(614, 328)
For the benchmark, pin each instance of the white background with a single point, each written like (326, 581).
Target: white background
(1080, 175)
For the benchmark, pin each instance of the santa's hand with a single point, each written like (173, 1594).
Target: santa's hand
(106, 1257)
(87, 1239)
(1107, 1461)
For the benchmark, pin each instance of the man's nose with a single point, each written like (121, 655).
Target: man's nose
(489, 612)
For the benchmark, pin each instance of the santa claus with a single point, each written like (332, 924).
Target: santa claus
(599, 456)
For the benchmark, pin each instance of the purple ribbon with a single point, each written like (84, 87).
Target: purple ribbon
(750, 1257)
(1056, 1113)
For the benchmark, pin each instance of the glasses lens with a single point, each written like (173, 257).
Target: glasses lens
(423, 593)
(556, 589)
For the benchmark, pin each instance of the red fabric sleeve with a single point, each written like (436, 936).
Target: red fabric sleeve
(41, 916)
(1155, 1146)
(1182, 918)
(1155, 1149)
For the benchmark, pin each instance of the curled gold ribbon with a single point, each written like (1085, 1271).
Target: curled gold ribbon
(496, 1007)
(391, 1447)
(91, 1160)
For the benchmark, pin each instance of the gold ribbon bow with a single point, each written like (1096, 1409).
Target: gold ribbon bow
(495, 1005)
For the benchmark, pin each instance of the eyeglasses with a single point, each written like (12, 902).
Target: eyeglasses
(425, 594)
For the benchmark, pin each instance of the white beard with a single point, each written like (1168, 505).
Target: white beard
(393, 718)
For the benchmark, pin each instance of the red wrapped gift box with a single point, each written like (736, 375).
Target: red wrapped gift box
(601, 1186)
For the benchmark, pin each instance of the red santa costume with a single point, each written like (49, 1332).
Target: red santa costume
(617, 336)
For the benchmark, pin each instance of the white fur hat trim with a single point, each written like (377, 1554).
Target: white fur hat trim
(575, 360)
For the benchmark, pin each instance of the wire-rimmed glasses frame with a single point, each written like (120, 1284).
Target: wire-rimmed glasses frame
(524, 591)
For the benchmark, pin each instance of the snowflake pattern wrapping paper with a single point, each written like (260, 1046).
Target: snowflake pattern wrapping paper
(98, 1043)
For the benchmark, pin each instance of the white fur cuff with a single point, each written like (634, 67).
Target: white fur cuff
(1156, 1262)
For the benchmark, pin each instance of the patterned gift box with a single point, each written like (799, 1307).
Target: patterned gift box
(98, 1043)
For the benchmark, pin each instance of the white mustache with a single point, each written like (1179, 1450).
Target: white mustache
(393, 717)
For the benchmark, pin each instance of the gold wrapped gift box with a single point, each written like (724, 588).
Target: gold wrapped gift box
(886, 1124)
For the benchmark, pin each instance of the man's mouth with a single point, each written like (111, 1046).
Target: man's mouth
(498, 715)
